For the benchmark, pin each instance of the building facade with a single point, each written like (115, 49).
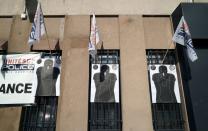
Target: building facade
(134, 28)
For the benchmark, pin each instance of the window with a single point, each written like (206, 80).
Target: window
(104, 95)
(42, 115)
(164, 88)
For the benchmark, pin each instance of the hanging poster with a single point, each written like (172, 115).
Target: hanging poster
(48, 76)
(24, 76)
(17, 78)
(104, 83)
(164, 84)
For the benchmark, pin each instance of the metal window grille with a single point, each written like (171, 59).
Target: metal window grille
(106, 57)
(166, 116)
(40, 117)
(105, 116)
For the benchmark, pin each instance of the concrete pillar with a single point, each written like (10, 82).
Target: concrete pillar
(73, 102)
(136, 108)
(10, 116)
(19, 35)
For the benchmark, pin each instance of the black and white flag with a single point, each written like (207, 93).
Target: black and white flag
(182, 36)
(38, 26)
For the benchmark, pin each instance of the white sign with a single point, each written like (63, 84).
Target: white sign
(24, 76)
(104, 83)
(164, 84)
(17, 78)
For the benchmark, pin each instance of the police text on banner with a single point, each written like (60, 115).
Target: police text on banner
(24, 76)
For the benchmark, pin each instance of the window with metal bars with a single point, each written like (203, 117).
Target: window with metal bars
(42, 115)
(167, 114)
(104, 115)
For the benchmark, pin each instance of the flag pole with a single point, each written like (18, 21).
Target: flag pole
(95, 34)
(46, 33)
(48, 40)
(171, 26)
(101, 64)
(166, 53)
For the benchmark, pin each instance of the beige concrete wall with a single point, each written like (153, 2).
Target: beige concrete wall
(11, 7)
(5, 26)
(80, 7)
(183, 102)
(136, 108)
(158, 33)
(73, 107)
(10, 118)
(19, 35)
(109, 31)
(73, 102)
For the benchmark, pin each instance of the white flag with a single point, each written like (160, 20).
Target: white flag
(94, 38)
(92, 50)
(182, 36)
(38, 26)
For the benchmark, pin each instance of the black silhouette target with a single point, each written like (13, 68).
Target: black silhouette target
(48, 77)
(164, 84)
(104, 83)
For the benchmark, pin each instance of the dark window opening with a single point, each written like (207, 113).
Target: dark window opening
(3, 46)
(105, 116)
(40, 117)
(167, 116)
